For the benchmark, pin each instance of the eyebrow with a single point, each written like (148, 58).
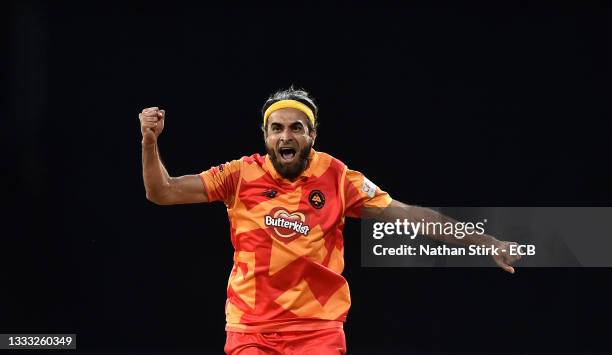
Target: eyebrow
(294, 124)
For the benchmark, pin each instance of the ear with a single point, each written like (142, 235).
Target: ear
(313, 135)
(264, 132)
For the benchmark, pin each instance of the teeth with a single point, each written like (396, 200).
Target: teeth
(287, 153)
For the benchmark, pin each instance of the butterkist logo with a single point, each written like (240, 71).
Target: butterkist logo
(287, 225)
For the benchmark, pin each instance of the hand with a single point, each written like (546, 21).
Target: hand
(151, 124)
(504, 259)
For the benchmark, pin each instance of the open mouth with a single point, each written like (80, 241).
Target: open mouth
(287, 154)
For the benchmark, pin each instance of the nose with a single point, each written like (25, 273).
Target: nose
(286, 135)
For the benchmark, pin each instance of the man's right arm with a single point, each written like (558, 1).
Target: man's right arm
(160, 187)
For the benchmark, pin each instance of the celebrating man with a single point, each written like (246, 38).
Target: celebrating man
(286, 293)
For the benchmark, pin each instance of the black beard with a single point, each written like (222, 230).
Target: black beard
(291, 172)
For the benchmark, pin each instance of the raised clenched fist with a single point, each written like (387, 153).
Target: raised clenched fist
(151, 124)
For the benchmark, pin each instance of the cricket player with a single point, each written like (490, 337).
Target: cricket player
(287, 209)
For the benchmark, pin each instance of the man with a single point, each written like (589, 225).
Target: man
(287, 210)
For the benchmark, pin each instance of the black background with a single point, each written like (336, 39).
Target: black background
(440, 104)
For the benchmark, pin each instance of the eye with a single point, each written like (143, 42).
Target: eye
(297, 128)
(275, 128)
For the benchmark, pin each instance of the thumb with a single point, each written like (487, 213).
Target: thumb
(163, 114)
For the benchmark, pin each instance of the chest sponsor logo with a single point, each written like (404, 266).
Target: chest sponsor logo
(287, 224)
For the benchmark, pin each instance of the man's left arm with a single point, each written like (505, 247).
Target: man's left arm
(398, 210)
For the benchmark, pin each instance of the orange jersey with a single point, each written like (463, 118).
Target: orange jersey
(287, 237)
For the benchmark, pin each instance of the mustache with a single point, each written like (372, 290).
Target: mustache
(303, 153)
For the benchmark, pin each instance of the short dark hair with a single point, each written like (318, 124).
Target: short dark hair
(296, 94)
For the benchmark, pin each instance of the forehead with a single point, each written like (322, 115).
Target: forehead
(288, 116)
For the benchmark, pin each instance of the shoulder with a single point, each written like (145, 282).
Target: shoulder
(237, 165)
(253, 159)
(252, 167)
(327, 165)
(330, 161)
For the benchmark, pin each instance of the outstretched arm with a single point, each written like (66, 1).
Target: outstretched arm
(398, 210)
(160, 187)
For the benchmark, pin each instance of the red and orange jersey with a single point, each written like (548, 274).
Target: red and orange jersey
(288, 242)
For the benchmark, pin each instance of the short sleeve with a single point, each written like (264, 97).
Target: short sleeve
(359, 192)
(221, 182)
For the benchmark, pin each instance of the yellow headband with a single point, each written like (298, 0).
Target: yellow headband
(289, 104)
